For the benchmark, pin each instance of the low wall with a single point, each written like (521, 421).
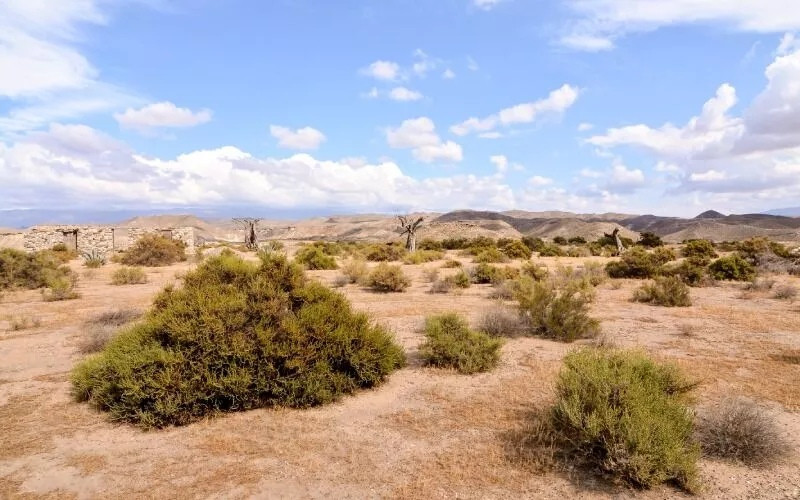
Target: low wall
(99, 239)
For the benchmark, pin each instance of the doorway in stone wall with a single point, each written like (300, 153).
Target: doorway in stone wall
(71, 240)
(166, 233)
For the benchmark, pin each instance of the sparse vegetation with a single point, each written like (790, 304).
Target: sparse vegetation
(18, 322)
(664, 291)
(423, 256)
(449, 343)
(650, 240)
(314, 257)
(626, 416)
(153, 250)
(559, 314)
(501, 321)
(129, 276)
(388, 278)
(785, 292)
(515, 249)
(236, 336)
(739, 431)
(490, 256)
(104, 327)
(449, 264)
(384, 253)
(61, 288)
(355, 270)
(537, 272)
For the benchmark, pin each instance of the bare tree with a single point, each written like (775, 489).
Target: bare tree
(615, 236)
(409, 227)
(249, 225)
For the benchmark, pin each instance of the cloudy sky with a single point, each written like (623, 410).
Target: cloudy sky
(642, 106)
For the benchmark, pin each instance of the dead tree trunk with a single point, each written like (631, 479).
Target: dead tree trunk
(618, 241)
(409, 228)
(249, 225)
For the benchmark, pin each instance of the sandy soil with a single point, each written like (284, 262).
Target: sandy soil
(424, 434)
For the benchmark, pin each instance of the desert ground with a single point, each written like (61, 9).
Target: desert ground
(425, 433)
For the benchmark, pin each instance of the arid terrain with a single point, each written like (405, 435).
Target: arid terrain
(426, 433)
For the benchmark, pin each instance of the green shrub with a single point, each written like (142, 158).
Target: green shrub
(429, 244)
(384, 253)
(154, 250)
(487, 273)
(441, 286)
(733, 268)
(551, 250)
(388, 278)
(560, 240)
(129, 276)
(490, 256)
(61, 288)
(236, 336)
(578, 252)
(535, 244)
(538, 272)
(455, 243)
(452, 264)
(460, 280)
(650, 240)
(62, 253)
(423, 256)
(449, 343)
(24, 270)
(690, 272)
(577, 240)
(627, 416)
(355, 270)
(664, 291)
(741, 432)
(313, 257)
(637, 263)
(559, 314)
(515, 249)
(701, 250)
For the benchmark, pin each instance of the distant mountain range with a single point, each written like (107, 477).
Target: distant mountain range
(786, 212)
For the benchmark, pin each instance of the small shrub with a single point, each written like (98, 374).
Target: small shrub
(537, 272)
(760, 284)
(789, 356)
(578, 252)
(485, 273)
(452, 264)
(650, 240)
(490, 256)
(690, 272)
(449, 343)
(388, 278)
(129, 276)
(551, 250)
(636, 263)
(30, 271)
(430, 274)
(535, 244)
(423, 256)
(441, 286)
(556, 314)
(355, 270)
(273, 246)
(702, 250)
(101, 329)
(501, 322)
(384, 253)
(739, 431)
(455, 243)
(577, 240)
(313, 257)
(625, 415)
(560, 240)
(785, 292)
(94, 259)
(154, 250)
(234, 337)
(62, 253)
(515, 249)
(461, 279)
(732, 268)
(18, 323)
(61, 288)
(664, 291)
(429, 244)
(504, 290)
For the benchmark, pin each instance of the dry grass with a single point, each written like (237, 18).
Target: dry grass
(104, 327)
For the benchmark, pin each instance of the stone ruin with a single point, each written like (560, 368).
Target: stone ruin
(103, 240)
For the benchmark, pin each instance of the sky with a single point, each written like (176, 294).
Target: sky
(296, 107)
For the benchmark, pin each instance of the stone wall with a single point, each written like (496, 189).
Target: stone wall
(100, 239)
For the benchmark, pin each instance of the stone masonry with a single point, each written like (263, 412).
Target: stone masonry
(99, 239)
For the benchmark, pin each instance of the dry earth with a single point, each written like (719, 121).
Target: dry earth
(424, 434)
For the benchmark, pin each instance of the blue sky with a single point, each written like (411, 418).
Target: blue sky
(302, 106)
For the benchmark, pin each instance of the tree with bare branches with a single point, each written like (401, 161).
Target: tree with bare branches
(249, 225)
(615, 236)
(409, 226)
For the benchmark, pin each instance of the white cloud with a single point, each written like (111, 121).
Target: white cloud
(718, 152)
(302, 139)
(490, 135)
(423, 63)
(161, 115)
(419, 135)
(789, 43)
(404, 94)
(538, 181)
(383, 70)
(500, 162)
(583, 127)
(67, 163)
(472, 64)
(486, 4)
(556, 102)
(448, 74)
(600, 22)
(624, 180)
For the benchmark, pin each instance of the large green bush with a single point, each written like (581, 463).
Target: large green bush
(637, 262)
(515, 249)
(236, 336)
(449, 343)
(30, 270)
(627, 416)
(700, 250)
(733, 268)
(384, 253)
(388, 278)
(556, 313)
(154, 250)
(651, 240)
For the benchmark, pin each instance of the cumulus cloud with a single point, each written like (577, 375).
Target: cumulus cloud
(80, 166)
(448, 74)
(584, 127)
(383, 70)
(600, 22)
(161, 115)
(486, 4)
(404, 94)
(558, 101)
(419, 135)
(718, 152)
(305, 138)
